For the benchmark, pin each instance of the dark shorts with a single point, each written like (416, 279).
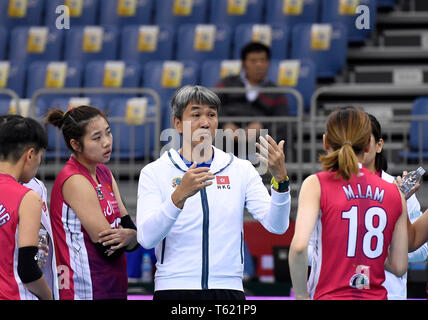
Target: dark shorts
(211, 294)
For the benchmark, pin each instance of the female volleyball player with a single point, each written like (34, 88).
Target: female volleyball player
(22, 142)
(360, 220)
(376, 163)
(90, 223)
(48, 264)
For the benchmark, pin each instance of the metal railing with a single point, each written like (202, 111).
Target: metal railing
(293, 167)
(305, 126)
(130, 166)
(365, 91)
(13, 95)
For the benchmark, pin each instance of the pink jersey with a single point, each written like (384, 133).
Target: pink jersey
(84, 274)
(11, 194)
(352, 236)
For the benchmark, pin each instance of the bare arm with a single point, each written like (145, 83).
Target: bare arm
(397, 257)
(122, 237)
(418, 231)
(80, 195)
(307, 215)
(28, 235)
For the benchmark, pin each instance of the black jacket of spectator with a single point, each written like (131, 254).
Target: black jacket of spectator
(266, 104)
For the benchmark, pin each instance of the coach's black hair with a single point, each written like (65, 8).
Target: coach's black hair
(192, 94)
(18, 134)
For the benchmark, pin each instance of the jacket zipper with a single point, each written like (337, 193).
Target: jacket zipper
(242, 247)
(163, 250)
(205, 224)
(205, 227)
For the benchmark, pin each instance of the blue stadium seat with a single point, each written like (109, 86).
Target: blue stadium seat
(75, 101)
(12, 76)
(304, 11)
(145, 43)
(6, 107)
(336, 11)
(28, 44)
(90, 43)
(134, 261)
(121, 13)
(124, 132)
(386, 3)
(54, 135)
(303, 80)
(180, 12)
(15, 13)
(235, 12)
(418, 130)
(84, 14)
(329, 57)
(165, 77)
(213, 71)
(275, 36)
(51, 75)
(112, 74)
(203, 42)
(3, 42)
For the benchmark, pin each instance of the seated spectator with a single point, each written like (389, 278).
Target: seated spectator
(255, 59)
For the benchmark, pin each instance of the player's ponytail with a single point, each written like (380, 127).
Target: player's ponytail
(56, 118)
(347, 134)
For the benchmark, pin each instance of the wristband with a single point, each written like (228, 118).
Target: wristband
(282, 186)
(127, 223)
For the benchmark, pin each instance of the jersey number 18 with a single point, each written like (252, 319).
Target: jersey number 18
(372, 231)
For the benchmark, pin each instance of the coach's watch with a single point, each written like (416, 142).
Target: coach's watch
(281, 186)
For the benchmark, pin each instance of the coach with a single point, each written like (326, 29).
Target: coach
(191, 205)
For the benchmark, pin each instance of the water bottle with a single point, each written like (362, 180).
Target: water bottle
(43, 241)
(411, 179)
(146, 268)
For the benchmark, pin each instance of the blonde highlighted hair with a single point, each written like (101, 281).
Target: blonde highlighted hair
(347, 133)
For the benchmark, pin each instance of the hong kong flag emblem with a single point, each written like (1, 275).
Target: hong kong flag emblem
(223, 180)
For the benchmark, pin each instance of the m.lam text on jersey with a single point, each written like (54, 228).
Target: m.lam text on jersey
(364, 192)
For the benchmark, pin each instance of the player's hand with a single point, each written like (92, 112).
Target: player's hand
(272, 154)
(116, 238)
(192, 182)
(399, 182)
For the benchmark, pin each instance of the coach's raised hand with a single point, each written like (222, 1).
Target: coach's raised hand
(272, 154)
(193, 181)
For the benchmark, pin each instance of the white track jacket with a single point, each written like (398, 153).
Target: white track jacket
(201, 246)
